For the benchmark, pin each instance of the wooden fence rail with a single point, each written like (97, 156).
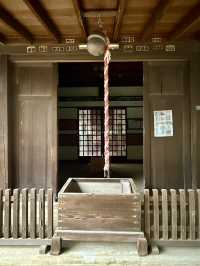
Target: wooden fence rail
(172, 214)
(26, 214)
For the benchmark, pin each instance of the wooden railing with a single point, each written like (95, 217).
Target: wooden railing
(26, 214)
(172, 214)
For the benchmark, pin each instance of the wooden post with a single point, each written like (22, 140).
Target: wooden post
(16, 213)
(7, 213)
(182, 214)
(174, 213)
(4, 122)
(164, 214)
(142, 247)
(155, 214)
(147, 213)
(41, 213)
(56, 245)
(24, 213)
(33, 213)
(192, 214)
(50, 213)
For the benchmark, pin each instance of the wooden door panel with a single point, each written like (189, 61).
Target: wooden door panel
(167, 159)
(167, 152)
(34, 141)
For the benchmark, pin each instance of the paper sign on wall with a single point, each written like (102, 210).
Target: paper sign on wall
(163, 123)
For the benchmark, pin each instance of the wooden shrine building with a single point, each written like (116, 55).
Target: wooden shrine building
(50, 88)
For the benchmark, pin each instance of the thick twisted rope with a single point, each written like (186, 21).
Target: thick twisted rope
(107, 58)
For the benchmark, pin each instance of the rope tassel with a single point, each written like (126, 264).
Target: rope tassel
(107, 58)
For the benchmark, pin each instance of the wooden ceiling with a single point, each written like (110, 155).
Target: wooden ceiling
(48, 21)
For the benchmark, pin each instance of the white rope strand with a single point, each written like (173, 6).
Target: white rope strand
(107, 58)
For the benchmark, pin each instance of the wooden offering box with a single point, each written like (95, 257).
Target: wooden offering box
(99, 209)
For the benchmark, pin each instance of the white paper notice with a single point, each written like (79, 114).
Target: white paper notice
(163, 123)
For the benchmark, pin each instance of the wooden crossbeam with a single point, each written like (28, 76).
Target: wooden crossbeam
(10, 20)
(2, 38)
(101, 13)
(156, 15)
(80, 18)
(42, 14)
(118, 22)
(186, 23)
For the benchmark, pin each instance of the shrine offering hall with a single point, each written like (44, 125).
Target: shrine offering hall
(100, 123)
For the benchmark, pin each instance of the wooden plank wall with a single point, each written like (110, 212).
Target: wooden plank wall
(167, 160)
(35, 126)
(172, 214)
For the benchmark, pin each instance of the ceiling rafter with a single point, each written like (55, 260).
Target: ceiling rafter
(185, 23)
(11, 21)
(156, 15)
(119, 17)
(2, 38)
(42, 14)
(80, 18)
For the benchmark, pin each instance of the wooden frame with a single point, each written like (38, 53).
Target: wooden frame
(80, 199)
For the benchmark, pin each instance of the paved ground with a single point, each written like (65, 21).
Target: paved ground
(100, 255)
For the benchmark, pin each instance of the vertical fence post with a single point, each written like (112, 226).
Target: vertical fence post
(192, 214)
(147, 213)
(7, 213)
(41, 213)
(164, 214)
(174, 213)
(16, 213)
(33, 213)
(50, 213)
(1, 212)
(156, 214)
(24, 213)
(182, 214)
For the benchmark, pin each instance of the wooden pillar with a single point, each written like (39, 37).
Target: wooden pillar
(3, 121)
(195, 118)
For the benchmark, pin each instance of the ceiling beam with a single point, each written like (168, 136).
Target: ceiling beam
(156, 15)
(101, 13)
(80, 18)
(11, 21)
(2, 38)
(118, 20)
(185, 23)
(42, 14)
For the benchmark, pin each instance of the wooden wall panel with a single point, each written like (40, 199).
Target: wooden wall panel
(35, 143)
(167, 159)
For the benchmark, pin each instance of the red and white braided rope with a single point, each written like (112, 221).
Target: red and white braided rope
(107, 58)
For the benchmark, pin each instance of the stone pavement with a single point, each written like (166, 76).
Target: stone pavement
(100, 255)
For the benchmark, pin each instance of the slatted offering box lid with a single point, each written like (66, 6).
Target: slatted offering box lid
(99, 204)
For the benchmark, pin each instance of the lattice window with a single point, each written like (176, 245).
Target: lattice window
(90, 133)
(118, 132)
(91, 138)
